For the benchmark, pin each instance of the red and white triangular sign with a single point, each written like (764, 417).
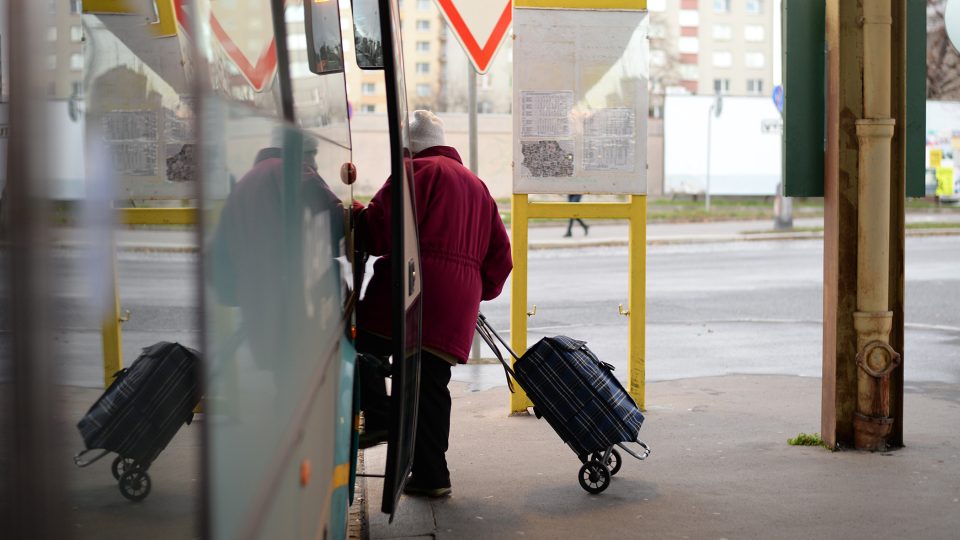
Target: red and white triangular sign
(479, 26)
(259, 72)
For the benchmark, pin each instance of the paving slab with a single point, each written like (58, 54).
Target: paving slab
(721, 468)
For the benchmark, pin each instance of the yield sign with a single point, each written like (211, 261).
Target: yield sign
(479, 26)
(257, 66)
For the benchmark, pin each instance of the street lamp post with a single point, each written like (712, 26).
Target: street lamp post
(715, 109)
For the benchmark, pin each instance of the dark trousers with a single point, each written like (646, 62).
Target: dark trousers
(433, 410)
(433, 423)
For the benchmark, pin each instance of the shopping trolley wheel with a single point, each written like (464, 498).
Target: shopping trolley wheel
(613, 462)
(122, 465)
(135, 485)
(594, 477)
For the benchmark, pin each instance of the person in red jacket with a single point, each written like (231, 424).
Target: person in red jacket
(465, 258)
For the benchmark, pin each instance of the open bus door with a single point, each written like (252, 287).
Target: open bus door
(407, 305)
(378, 46)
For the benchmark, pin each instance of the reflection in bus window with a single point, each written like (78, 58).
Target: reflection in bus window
(251, 250)
(366, 33)
(323, 36)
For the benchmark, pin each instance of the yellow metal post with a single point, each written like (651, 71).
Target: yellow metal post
(110, 332)
(518, 292)
(636, 212)
(636, 363)
(111, 336)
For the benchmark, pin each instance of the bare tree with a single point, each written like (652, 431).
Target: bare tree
(664, 61)
(943, 60)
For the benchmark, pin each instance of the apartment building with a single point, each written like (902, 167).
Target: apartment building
(64, 39)
(424, 37)
(712, 46)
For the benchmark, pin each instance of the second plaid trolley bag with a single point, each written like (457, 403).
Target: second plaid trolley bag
(580, 398)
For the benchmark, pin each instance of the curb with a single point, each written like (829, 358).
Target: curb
(681, 240)
(571, 244)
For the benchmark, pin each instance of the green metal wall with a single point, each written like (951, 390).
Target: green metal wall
(804, 110)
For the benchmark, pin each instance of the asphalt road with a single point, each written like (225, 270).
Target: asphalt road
(715, 309)
(712, 309)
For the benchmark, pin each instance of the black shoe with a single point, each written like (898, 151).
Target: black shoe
(586, 230)
(568, 235)
(431, 492)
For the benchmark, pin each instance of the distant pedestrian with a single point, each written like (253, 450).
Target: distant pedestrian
(586, 228)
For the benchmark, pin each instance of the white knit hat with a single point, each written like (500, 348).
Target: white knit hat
(426, 130)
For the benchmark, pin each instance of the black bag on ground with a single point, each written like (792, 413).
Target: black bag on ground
(146, 404)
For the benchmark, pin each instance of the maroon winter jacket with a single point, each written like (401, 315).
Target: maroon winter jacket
(464, 251)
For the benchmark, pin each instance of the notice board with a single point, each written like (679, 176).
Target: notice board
(580, 101)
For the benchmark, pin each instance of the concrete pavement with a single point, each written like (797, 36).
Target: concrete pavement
(720, 468)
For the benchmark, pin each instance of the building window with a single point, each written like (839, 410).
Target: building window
(722, 59)
(423, 68)
(76, 34)
(368, 88)
(298, 70)
(423, 25)
(753, 33)
(754, 59)
(296, 42)
(689, 72)
(76, 62)
(52, 33)
(484, 107)
(658, 30)
(423, 5)
(657, 5)
(688, 17)
(754, 6)
(754, 86)
(424, 90)
(368, 108)
(52, 62)
(721, 86)
(688, 45)
(423, 46)
(76, 7)
(721, 6)
(658, 58)
(722, 32)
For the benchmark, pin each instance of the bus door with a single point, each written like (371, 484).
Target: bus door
(378, 46)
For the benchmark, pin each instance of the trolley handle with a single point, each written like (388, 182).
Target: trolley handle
(487, 333)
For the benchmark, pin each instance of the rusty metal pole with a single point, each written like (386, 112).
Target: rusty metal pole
(873, 319)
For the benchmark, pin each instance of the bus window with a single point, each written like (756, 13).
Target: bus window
(366, 34)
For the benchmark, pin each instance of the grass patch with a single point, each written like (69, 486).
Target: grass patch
(793, 230)
(915, 226)
(933, 225)
(807, 439)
